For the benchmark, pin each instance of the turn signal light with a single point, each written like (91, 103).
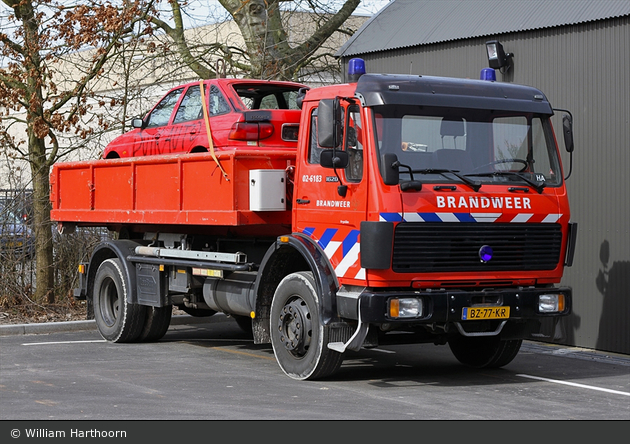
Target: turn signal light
(405, 308)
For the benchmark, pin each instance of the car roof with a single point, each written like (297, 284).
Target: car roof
(242, 81)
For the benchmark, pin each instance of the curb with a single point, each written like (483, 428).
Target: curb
(70, 326)
(47, 327)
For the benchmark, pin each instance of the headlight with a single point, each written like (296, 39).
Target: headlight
(405, 308)
(551, 303)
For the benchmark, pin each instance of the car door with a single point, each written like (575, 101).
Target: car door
(187, 125)
(154, 137)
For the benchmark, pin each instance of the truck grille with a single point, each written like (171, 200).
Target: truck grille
(447, 247)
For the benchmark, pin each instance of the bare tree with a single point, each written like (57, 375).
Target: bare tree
(273, 47)
(41, 92)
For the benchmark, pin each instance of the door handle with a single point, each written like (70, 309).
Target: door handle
(302, 201)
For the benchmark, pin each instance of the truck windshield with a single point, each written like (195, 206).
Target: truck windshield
(488, 146)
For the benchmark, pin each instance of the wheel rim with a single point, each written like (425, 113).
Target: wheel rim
(109, 302)
(295, 327)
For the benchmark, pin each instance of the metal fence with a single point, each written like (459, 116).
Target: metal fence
(17, 250)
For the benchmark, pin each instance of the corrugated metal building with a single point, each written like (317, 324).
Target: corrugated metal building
(578, 53)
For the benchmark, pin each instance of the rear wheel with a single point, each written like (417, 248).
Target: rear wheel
(117, 320)
(298, 337)
(157, 321)
(484, 351)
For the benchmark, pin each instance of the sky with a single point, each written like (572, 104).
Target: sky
(201, 11)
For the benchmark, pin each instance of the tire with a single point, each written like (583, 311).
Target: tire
(156, 323)
(298, 337)
(484, 351)
(117, 320)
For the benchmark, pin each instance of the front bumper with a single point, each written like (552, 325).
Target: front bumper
(446, 306)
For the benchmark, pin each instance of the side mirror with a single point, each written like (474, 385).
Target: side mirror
(389, 169)
(567, 130)
(328, 123)
(334, 159)
(137, 123)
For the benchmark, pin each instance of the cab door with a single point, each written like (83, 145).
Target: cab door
(330, 203)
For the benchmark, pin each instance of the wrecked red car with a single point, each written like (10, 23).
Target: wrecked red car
(238, 112)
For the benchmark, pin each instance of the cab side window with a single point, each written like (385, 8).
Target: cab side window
(161, 114)
(353, 136)
(314, 150)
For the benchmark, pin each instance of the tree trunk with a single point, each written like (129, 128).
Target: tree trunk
(37, 130)
(40, 171)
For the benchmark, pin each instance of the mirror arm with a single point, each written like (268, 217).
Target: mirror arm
(570, 165)
(341, 188)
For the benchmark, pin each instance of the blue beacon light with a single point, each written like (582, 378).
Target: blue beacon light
(356, 68)
(488, 74)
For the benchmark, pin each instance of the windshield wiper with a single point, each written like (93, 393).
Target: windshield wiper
(538, 186)
(475, 185)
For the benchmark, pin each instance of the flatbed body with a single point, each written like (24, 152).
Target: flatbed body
(187, 191)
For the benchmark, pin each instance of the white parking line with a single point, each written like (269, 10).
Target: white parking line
(590, 387)
(63, 342)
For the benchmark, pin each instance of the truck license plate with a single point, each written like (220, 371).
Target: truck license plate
(475, 313)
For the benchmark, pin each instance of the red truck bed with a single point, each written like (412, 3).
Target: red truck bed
(184, 190)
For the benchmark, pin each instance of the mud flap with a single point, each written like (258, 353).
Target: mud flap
(356, 340)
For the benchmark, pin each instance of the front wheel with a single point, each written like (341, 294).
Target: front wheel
(484, 351)
(117, 320)
(298, 337)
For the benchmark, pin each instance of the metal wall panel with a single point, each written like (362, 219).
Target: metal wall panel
(586, 69)
(412, 23)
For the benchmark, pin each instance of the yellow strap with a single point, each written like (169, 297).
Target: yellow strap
(206, 118)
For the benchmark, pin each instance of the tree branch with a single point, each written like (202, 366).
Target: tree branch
(177, 34)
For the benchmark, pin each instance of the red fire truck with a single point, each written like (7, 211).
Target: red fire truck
(414, 209)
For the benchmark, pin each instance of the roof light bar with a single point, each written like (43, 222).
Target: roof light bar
(356, 68)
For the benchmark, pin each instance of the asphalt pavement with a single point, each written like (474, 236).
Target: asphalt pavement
(209, 369)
